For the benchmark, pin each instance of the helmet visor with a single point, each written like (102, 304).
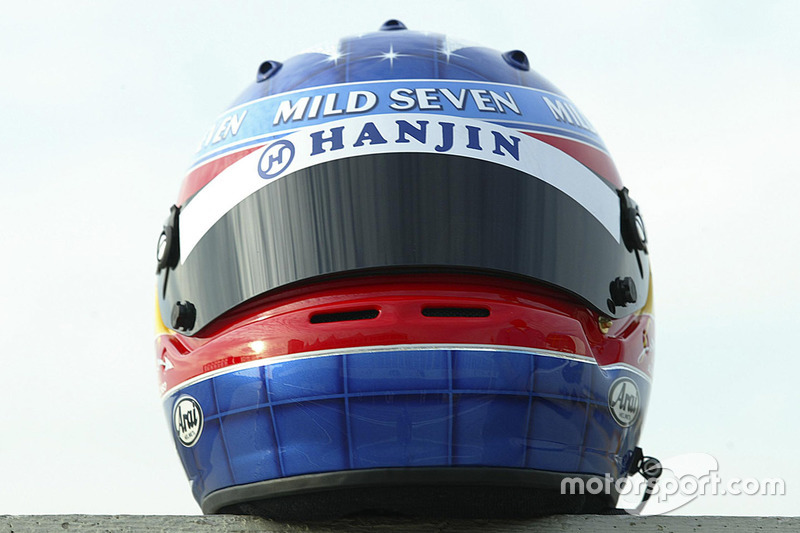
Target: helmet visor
(406, 211)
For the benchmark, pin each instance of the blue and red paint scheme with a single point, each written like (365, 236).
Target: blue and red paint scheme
(525, 387)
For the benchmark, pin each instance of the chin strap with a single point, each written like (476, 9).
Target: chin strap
(650, 468)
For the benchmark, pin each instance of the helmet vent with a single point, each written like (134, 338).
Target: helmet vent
(267, 70)
(517, 59)
(344, 316)
(393, 24)
(456, 312)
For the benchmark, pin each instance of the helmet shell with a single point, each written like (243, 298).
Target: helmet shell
(395, 263)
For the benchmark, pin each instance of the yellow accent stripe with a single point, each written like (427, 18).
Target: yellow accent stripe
(161, 329)
(648, 305)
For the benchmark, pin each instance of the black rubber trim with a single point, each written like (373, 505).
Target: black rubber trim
(344, 316)
(435, 491)
(455, 312)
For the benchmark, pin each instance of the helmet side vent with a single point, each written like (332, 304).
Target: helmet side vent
(517, 59)
(267, 69)
(455, 312)
(392, 24)
(344, 316)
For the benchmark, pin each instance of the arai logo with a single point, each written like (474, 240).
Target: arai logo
(623, 401)
(187, 418)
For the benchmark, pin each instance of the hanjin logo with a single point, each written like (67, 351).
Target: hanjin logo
(623, 401)
(275, 159)
(187, 417)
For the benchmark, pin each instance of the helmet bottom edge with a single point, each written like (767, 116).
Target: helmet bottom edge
(453, 492)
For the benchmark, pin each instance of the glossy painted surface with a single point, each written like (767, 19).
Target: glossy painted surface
(409, 408)
(521, 314)
(521, 387)
(262, 389)
(419, 56)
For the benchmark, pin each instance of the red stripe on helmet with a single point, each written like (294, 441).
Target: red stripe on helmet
(517, 314)
(202, 175)
(597, 160)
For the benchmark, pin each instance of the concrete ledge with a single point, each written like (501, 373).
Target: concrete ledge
(237, 524)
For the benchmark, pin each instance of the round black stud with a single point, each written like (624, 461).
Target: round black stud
(267, 69)
(183, 316)
(623, 291)
(392, 24)
(517, 59)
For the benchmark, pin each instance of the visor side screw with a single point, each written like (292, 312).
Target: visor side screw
(183, 316)
(161, 252)
(604, 323)
(640, 231)
(623, 291)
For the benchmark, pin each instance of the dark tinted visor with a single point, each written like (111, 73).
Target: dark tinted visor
(406, 211)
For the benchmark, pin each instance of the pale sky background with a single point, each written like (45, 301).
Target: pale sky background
(103, 103)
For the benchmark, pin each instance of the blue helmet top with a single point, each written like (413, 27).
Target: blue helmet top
(400, 54)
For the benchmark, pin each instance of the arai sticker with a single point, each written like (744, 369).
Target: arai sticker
(187, 418)
(623, 401)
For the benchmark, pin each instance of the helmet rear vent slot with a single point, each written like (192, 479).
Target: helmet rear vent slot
(344, 316)
(456, 312)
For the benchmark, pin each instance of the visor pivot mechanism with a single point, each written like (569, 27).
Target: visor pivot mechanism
(183, 316)
(633, 232)
(167, 252)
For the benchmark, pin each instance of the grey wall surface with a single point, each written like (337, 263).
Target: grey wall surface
(241, 524)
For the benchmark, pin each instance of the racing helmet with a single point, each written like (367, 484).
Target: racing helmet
(403, 275)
